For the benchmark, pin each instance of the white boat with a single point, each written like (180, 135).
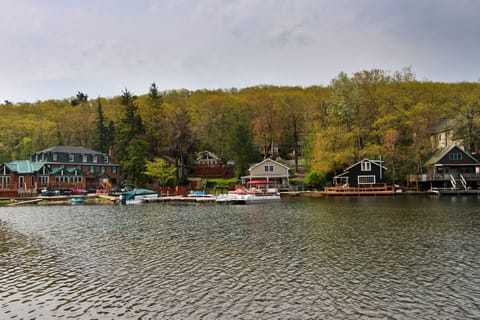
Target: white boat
(257, 191)
(137, 196)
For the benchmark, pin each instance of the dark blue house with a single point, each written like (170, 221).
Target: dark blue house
(365, 173)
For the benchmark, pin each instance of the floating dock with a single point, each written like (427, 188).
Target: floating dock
(363, 191)
(455, 192)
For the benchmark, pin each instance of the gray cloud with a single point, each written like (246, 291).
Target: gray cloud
(56, 48)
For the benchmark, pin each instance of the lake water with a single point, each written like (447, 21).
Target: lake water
(347, 258)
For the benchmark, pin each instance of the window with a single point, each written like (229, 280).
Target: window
(268, 168)
(92, 169)
(54, 156)
(114, 170)
(102, 169)
(366, 180)
(4, 182)
(85, 158)
(455, 156)
(44, 180)
(95, 159)
(105, 159)
(366, 166)
(71, 157)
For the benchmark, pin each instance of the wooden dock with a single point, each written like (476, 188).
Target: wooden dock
(17, 203)
(360, 191)
(455, 192)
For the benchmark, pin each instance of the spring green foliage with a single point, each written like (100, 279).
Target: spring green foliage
(366, 114)
(161, 171)
(315, 179)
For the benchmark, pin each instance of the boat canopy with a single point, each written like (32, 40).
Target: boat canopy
(260, 182)
(129, 195)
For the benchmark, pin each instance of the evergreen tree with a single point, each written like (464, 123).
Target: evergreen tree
(131, 149)
(101, 130)
(154, 119)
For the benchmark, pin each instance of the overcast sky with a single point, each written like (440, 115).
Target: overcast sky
(51, 49)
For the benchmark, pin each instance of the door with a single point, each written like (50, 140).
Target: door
(21, 182)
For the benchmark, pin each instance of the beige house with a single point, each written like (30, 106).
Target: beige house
(268, 170)
(442, 135)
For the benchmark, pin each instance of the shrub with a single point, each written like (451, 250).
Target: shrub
(315, 179)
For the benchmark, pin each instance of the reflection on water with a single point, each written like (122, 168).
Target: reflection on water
(349, 258)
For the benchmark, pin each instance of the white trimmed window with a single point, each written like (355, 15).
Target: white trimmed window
(455, 156)
(366, 180)
(85, 158)
(268, 168)
(95, 159)
(55, 156)
(4, 182)
(71, 157)
(366, 166)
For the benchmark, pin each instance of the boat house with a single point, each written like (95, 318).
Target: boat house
(364, 177)
(449, 168)
(365, 173)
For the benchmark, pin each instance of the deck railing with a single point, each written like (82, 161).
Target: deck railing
(443, 177)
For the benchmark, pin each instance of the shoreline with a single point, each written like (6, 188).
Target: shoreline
(98, 199)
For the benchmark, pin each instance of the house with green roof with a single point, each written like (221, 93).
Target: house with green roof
(24, 175)
(449, 168)
(61, 167)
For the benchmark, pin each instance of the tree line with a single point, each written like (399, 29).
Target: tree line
(370, 113)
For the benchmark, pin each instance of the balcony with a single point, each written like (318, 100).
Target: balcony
(443, 177)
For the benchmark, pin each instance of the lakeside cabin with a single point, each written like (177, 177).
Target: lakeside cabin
(366, 177)
(449, 168)
(209, 165)
(271, 171)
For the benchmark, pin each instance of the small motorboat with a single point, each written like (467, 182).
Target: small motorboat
(137, 196)
(76, 200)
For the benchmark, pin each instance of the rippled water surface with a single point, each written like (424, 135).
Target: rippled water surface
(357, 258)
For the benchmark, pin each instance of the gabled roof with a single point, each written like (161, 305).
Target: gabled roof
(68, 170)
(375, 162)
(70, 149)
(24, 166)
(441, 153)
(207, 155)
(265, 161)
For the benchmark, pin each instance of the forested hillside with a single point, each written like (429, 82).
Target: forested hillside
(367, 114)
